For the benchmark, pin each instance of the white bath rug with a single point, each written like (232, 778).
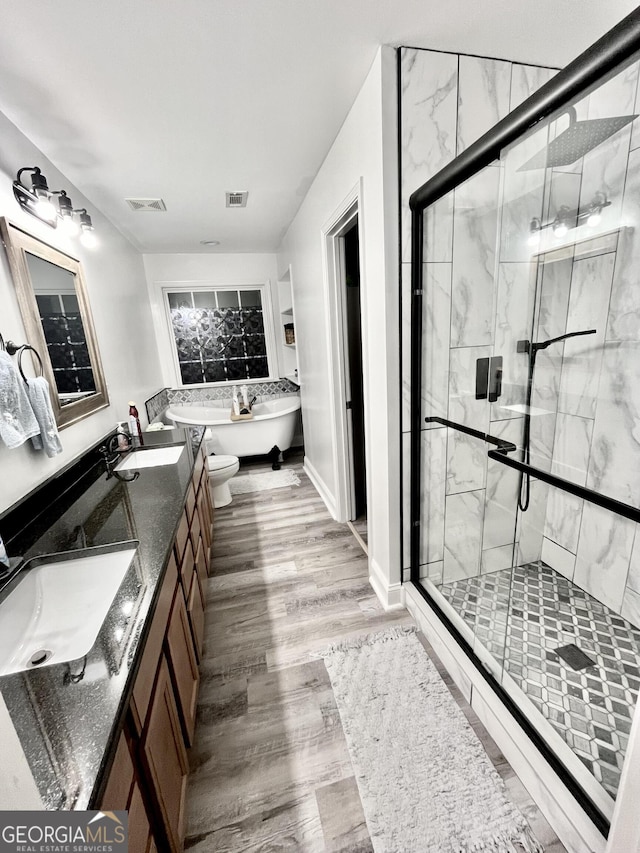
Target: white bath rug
(426, 783)
(241, 485)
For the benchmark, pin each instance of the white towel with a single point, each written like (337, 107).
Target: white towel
(17, 421)
(48, 440)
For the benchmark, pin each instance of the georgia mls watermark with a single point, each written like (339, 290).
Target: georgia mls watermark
(64, 832)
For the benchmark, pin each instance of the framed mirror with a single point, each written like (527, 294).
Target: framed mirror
(52, 297)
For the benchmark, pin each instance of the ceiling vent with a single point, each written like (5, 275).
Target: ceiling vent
(155, 204)
(237, 199)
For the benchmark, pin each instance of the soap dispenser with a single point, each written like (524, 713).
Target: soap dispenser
(134, 422)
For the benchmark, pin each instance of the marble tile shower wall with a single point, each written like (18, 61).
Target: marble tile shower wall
(447, 102)
(592, 390)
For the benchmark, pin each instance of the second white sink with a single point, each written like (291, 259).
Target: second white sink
(151, 458)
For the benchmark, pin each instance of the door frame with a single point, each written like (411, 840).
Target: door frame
(333, 231)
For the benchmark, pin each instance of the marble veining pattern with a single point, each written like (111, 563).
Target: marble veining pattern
(429, 84)
(463, 535)
(484, 89)
(582, 356)
(475, 222)
(604, 552)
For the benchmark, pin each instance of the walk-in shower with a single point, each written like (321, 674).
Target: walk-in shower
(525, 417)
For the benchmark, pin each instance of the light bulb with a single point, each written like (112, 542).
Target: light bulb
(595, 217)
(88, 239)
(561, 229)
(45, 210)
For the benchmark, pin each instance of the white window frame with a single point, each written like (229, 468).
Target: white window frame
(269, 330)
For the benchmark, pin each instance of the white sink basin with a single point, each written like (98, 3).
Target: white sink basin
(150, 458)
(57, 608)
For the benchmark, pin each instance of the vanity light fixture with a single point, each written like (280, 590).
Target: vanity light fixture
(567, 218)
(38, 200)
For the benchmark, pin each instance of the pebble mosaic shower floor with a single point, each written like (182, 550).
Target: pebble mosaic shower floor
(522, 616)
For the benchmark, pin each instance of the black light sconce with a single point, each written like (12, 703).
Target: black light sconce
(567, 218)
(39, 201)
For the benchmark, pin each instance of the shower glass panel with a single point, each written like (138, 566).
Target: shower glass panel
(530, 351)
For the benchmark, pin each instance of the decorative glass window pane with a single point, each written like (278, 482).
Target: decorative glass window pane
(219, 344)
(250, 299)
(180, 300)
(228, 299)
(204, 299)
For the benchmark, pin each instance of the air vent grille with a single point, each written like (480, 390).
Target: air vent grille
(139, 204)
(237, 199)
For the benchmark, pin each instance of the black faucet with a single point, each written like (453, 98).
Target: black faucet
(112, 453)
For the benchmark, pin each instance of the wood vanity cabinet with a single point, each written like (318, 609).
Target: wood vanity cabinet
(150, 767)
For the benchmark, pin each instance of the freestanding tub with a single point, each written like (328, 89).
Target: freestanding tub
(272, 426)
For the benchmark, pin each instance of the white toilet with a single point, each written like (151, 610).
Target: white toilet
(221, 470)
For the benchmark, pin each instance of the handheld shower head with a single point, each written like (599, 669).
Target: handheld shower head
(576, 140)
(531, 347)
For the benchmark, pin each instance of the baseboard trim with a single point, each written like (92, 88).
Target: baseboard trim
(320, 487)
(391, 596)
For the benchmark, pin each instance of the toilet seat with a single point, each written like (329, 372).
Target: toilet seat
(219, 463)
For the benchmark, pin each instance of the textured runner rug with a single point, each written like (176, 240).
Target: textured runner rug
(245, 483)
(426, 783)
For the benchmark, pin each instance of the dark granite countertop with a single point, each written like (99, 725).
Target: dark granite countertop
(69, 715)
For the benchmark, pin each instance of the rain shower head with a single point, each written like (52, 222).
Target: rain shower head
(576, 141)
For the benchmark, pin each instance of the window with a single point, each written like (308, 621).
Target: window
(66, 343)
(219, 334)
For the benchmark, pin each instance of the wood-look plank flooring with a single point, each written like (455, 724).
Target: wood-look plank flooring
(270, 768)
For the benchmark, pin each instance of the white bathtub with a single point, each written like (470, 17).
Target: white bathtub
(273, 425)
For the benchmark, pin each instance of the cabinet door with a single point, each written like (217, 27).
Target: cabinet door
(118, 787)
(196, 615)
(183, 664)
(153, 647)
(164, 758)
(139, 828)
(201, 566)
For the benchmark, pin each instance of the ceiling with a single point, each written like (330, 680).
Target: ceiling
(184, 99)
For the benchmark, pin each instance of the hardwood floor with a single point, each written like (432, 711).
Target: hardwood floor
(270, 768)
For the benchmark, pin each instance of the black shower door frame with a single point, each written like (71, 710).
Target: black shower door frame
(601, 60)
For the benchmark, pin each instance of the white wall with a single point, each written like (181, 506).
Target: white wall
(198, 269)
(365, 151)
(118, 297)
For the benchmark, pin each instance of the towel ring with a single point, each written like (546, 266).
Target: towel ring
(21, 353)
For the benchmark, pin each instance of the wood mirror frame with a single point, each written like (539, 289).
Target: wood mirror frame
(19, 244)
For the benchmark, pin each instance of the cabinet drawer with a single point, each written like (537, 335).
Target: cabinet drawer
(153, 648)
(183, 664)
(164, 759)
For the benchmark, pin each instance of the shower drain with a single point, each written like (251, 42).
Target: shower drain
(574, 657)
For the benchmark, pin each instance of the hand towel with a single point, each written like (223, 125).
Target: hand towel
(17, 421)
(40, 399)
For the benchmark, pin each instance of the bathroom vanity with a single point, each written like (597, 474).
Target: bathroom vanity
(111, 729)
